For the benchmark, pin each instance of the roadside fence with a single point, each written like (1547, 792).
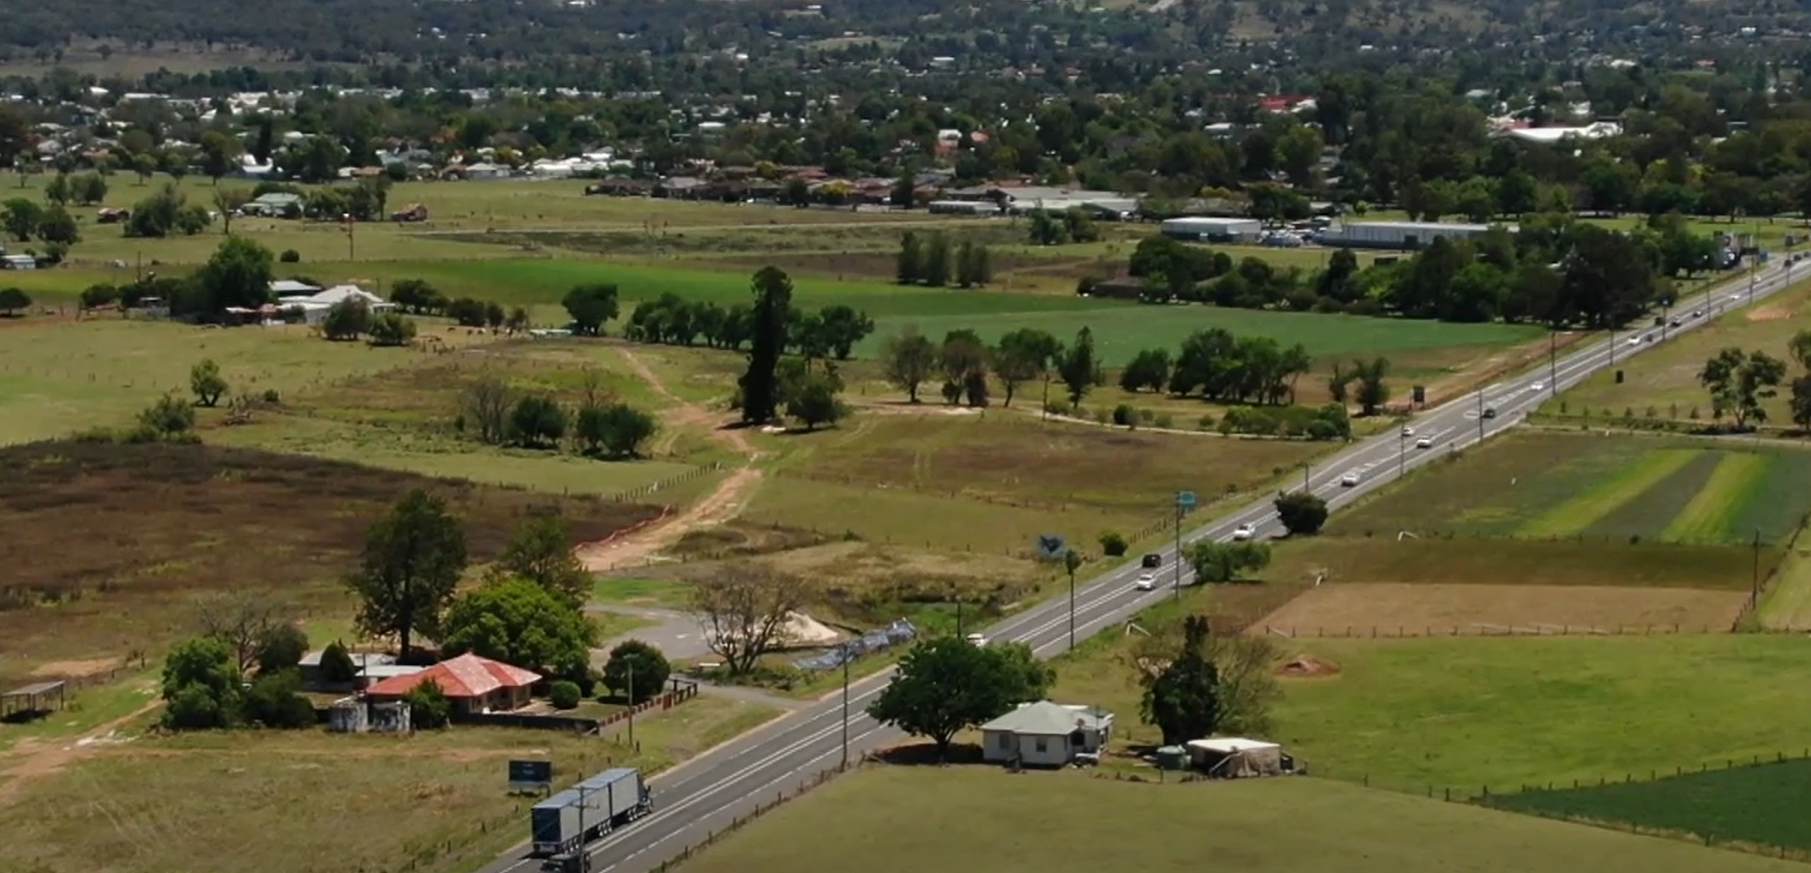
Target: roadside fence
(1485, 629)
(640, 491)
(761, 808)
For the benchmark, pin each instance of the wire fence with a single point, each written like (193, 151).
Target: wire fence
(1485, 629)
(761, 808)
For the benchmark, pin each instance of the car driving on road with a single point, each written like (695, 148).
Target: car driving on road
(1147, 581)
(1244, 532)
(1408, 431)
(1424, 443)
(1350, 479)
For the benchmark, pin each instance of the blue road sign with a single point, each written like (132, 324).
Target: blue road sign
(1051, 546)
(1186, 500)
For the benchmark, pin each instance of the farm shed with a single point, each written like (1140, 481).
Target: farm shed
(1212, 229)
(1234, 758)
(1398, 234)
(1045, 734)
(34, 699)
(472, 683)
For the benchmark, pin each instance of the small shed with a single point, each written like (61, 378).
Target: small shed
(1235, 757)
(31, 701)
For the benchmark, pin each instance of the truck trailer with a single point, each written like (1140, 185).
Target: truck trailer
(570, 819)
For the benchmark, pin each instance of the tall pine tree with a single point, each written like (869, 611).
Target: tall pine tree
(910, 266)
(937, 264)
(760, 386)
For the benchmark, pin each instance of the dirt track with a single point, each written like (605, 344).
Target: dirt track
(723, 503)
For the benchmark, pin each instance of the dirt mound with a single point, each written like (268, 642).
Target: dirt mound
(1307, 666)
(1771, 312)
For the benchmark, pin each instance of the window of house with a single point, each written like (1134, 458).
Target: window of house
(1043, 744)
(1005, 740)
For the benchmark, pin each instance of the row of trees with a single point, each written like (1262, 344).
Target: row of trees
(832, 332)
(930, 259)
(495, 412)
(963, 361)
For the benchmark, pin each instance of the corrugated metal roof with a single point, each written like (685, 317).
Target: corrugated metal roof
(1043, 719)
(465, 676)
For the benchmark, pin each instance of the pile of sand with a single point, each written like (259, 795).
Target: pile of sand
(1305, 666)
(803, 630)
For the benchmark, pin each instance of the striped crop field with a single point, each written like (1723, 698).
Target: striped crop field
(1563, 485)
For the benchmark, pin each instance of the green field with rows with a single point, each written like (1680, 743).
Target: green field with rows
(1552, 485)
(1762, 805)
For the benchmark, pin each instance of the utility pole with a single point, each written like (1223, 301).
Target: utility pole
(1072, 609)
(631, 663)
(847, 657)
(1307, 478)
(1402, 448)
(1480, 415)
(1553, 359)
(1178, 576)
(1754, 585)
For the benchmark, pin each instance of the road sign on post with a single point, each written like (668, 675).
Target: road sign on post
(1418, 395)
(1185, 500)
(530, 776)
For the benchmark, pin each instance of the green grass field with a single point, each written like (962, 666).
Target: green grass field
(1555, 484)
(1760, 805)
(434, 802)
(1662, 383)
(986, 819)
(1500, 561)
(1467, 713)
(993, 482)
(1786, 605)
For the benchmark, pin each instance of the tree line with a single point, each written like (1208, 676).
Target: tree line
(964, 362)
(494, 412)
(930, 259)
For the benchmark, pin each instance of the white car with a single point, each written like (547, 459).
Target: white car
(1424, 443)
(976, 640)
(1244, 532)
(1350, 479)
(1147, 582)
(1408, 431)
(1634, 340)
(1537, 386)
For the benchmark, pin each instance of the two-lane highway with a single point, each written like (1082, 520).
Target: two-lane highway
(706, 794)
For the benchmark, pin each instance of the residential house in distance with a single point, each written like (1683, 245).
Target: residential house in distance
(283, 288)
(471, 683)
(1045, 734)
(274, 205)
(313, 308)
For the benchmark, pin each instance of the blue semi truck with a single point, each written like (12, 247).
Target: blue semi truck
(562, 824)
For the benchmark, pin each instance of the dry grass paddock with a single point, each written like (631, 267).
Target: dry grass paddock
(1397, 609)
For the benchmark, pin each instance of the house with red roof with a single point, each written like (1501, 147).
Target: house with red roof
(471, 683)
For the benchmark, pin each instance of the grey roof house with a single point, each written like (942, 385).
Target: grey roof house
(1045, 734)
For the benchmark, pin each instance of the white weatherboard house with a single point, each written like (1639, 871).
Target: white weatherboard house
(1045, 734)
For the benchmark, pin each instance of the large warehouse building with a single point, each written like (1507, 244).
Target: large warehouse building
(1213, 229)
(1398, 234)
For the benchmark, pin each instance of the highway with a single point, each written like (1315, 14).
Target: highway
(707, 793)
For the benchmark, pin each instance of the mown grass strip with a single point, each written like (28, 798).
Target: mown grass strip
(1589, 506)
(1648, 514)
(1707, 518)
(1787, 604)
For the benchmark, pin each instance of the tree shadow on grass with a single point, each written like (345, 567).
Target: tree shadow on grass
(924, 754)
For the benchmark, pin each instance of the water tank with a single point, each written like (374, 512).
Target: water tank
(1172, 758)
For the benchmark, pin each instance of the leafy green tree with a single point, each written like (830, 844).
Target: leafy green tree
(909, 264)
(59, 190)
(237, 274)
(590, 307)
(1022, 356)
(1373, 392)
(281, 648)
(633, 661)
(537, 421)
(413, 559)
(1739, 381)
(1225, 562)
(841, 328)
(1301, 513)
(88, 189)
(201, 686)
(1149, 369)
(389, 329)
(346, 320)
(99, 296)
(812, 399)
(428, 707)
(937, 263)
(1800, 349)
(963, 360)
(1078, 368)
(540, 551)
(1045, 230)
(219, 155)
(518, 622)
(21, 218)
(616, 430)
(772, 291)
(909, 358)
(1183, 700)
(417, 296)
(12, 300)
(58, 227)
(494, 316)
(1113, 544)
(1079, 226)
(945, 685)
(205, 382)
(274, 700)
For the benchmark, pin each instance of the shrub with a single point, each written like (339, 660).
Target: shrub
(1056, 408)
(336, 665)
(428, 706)
(564, 694)
(1123, 415)
(1165, 421)
(1206, 421)
(290, 256)
(271, 396)
(648, 665)
(273, 701)
(281, 649)
(1113, 544)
